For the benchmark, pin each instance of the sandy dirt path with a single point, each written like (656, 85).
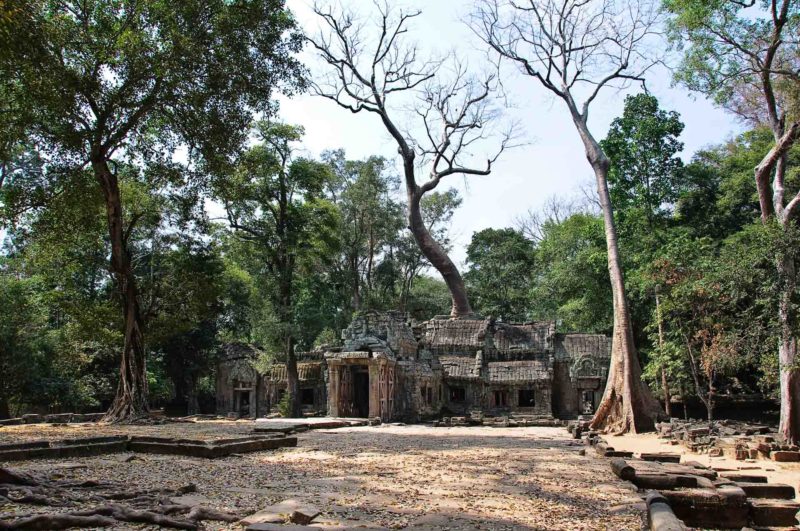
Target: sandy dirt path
(394, 476)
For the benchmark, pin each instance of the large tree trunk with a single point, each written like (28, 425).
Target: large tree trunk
(627, 404)
(192, 404)
(787, 355)
(131, 398)
(292, 378)
(356, 283)
(5, 411)
(437, 256)
(771, 200)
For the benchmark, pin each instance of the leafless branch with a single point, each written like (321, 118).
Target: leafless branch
(533, 224)
(379, 71)
(574, 48)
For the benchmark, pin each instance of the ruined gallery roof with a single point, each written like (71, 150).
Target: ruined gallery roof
(525, 337)
(575, 346)
(237, 350)
(461, 367)
(307, 372)
(456, 335)
(518, 371)
(469, 335)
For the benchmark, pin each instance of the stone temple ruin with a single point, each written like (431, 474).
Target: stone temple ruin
(392, 369)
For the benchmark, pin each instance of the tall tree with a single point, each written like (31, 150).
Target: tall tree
(501, 265)
(274, 203)
(574, 49)
(645, 181)
(745, 55)
(95, 82)
(369, 72)
(371, 219)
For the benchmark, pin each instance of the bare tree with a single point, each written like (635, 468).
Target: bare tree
(554, 211)
(454, 113)
(575, 49)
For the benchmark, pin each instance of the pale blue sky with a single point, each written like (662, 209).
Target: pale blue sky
(552, 164)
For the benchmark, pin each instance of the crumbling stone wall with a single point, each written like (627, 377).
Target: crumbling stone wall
(579, 373)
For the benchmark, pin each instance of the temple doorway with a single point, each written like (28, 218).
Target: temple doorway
(360, 391)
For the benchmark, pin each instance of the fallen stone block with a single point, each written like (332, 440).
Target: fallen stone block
(744, 478)
(784, 456)
(208, 449)
(58, 450)
(622, 469)
(660, 457)
(776, 491)
(32, 418)
(774, 513)
(295, 511)
(24, 445)
(664, 481)
(710, 508)
(61, 418)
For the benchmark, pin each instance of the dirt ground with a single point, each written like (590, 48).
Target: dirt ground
(391, 476)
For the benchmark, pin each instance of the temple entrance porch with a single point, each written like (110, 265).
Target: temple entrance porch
(361, 384)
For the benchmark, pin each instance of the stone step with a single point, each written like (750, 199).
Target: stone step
(785, 456)
(660, 457)
(725, 507)
(774, 513)
(777, 491)
(743, 478)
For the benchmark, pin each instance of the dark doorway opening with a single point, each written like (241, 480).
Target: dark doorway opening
(242, 400)
(361, 392)
(307, 397)
(501, 398)
(587, 402)
(458, 394)
(526, 398)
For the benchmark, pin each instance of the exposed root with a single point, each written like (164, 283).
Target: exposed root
(59, 521)
(151, 507)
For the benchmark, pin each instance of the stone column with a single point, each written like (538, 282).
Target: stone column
(374, 389)
(333, 390)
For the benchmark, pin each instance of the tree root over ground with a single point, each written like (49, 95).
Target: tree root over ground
(148, 507)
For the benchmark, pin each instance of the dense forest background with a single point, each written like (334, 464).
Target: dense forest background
(699, 266)
(230, 234)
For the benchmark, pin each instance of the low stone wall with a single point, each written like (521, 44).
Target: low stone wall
(91, 446)
(59, 418)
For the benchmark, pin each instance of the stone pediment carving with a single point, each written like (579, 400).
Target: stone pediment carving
(587, 367)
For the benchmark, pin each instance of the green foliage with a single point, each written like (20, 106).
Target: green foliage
(428, 297)
(724, 46)
(645, 176)
(327, 338)
(284, 407)
(719, 307)
(572, 284)
(501, 263)
(286, 232)
(370, 222)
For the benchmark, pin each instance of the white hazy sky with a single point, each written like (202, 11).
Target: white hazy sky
(553, 162)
